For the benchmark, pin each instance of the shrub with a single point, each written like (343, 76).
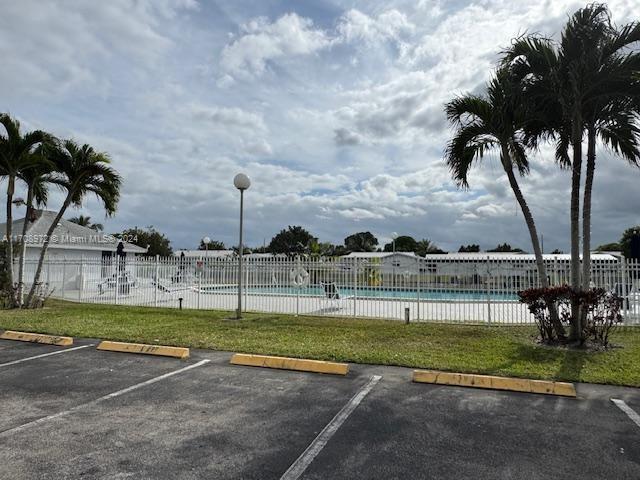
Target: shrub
(539, 300)
(601, 311)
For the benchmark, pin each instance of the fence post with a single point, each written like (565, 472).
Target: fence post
(488, 282)
(156, 281)
(64, 274)
(418, 290)
(355, 285)
(80, 278)
(48, 260)
(623, 282)
(200, 280)
(297, 270)
(115, 298)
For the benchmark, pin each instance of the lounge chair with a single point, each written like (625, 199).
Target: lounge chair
(332, 294)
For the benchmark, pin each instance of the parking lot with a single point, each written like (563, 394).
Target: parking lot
(84, 413)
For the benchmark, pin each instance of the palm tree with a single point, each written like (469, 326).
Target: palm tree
(584, 84)
(15, 155)
(426, 246)
(494, 121)
(86, 222)
(36, 178)
(79, 171)
(611, 108)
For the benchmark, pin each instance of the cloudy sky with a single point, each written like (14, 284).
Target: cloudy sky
(332, 107)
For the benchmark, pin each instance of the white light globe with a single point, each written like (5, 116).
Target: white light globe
(241, 181)
(206, 240)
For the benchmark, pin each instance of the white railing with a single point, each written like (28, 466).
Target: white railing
(420, 289)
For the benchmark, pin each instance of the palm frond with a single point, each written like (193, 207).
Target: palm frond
(468, 145)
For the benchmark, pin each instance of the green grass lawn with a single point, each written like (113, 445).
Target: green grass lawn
(509, 351)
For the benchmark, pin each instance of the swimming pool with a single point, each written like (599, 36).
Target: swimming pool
(366, 292)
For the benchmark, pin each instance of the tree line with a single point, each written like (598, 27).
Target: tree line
(296, 240)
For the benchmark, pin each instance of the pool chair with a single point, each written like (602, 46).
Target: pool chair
(332, 295)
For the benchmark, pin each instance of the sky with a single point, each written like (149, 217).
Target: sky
(334, 109)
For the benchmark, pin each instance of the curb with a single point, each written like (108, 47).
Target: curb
(162, 350)
(37, 338)
(286, 363)
(495, 383)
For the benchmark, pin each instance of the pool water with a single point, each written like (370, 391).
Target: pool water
(408, 294)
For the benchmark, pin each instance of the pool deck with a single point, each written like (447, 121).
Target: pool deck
(487, 311)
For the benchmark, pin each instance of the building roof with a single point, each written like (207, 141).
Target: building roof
(526, 257)
(204, 253)
(378, 254)
(67, 235)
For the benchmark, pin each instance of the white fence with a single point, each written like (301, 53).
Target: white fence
(424, 290)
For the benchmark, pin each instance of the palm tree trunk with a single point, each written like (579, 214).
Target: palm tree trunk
(45, 246)
(586, 208)
(23, 246)
(576, 171)
(9, 233)
(533, 233)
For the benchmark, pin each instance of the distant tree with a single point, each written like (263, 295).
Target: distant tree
(505, 247)
(262, 249)
(292, 240)
(324, 249)
(426, 246)
(404, 243)
(557, 251)
(361, 242)
(157, 242)
(245, 250)
(469, 248)
(630, 242)
(212, 245)
(86, 222)
(609, 247)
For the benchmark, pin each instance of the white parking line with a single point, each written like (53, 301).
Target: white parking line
(101, 399)
(631, 413)
(298, 467)
(44, 355)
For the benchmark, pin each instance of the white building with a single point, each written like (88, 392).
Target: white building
(517, 270)
(204, 253)
(390, 262)
(68, 241)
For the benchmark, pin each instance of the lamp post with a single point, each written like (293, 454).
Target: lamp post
(206, 241)
(241, 182)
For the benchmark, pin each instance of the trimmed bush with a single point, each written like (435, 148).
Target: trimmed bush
(601, 311)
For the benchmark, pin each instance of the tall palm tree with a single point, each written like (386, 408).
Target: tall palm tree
(37, 179)
(15, 155)
(85, 221)
(80, 170)
(581, 86)
(611, 108)
(494, 121)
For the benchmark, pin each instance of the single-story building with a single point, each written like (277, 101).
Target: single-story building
(69, 240)
(191, 254)
(389, 262)
(514, 270)
(92, 254)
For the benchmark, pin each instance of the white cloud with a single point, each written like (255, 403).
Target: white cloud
(262, 41)
(355, 25)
